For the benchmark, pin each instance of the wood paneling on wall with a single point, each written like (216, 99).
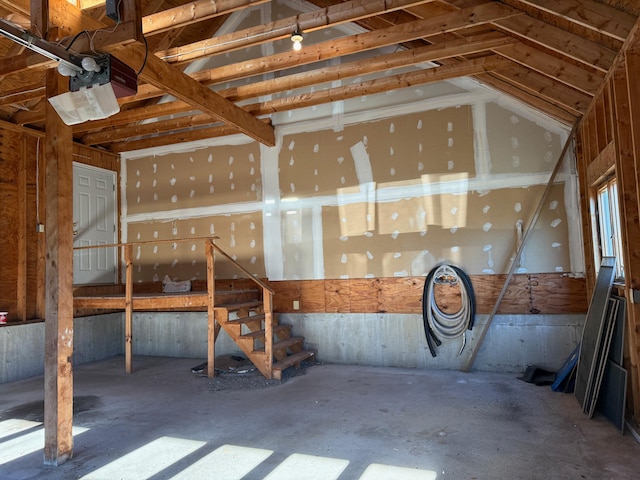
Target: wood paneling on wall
(527, 294)
(608, 142)
(22, 183)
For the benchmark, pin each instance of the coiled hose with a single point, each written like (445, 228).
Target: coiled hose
(438, 324)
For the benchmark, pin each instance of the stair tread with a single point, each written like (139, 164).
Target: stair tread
(293, 359)
(250, 318)
(260, 333)
(283, 343)
(237, 306)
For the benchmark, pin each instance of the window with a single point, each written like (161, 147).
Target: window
(610, 235)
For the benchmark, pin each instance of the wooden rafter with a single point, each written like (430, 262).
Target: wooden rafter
(292, 82)
(562, 52)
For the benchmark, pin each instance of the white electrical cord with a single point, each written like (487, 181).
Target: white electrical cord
(449, 325)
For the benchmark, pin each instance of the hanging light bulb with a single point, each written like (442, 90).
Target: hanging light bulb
(297, 38)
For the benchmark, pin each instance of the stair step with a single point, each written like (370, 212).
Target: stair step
(291, 360)
(277, 329)
(234, 307)
(284, 344)
(242, 320)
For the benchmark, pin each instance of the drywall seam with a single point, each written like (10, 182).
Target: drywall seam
(572, 207)
(362, 164)
(337, 107)
(511, 104)
(535, 116)
(271, 204)
(482, 156)
(271, 218)
(187, 147)
(195, 212)
(317, 237)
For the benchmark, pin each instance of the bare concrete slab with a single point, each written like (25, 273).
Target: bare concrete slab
(328, 422)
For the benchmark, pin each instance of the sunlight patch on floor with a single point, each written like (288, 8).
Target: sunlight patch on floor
(147, 460)
(26, 444)
(308, 467)
(376, 471)
(16, 425)
(229, 462)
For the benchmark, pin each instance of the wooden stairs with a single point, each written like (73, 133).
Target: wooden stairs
(250, 325)
(245, 314)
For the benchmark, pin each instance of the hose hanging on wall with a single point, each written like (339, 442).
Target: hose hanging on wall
(438, 324)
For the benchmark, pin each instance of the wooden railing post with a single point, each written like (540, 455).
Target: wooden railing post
(128, 346)
(211, 313)
(267, 299)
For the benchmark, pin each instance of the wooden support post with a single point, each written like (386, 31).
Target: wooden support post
(58, 372)
(211, 313)
(627, 115)
(128, 308)
(21, 287)
(41, 259)
(267, 299)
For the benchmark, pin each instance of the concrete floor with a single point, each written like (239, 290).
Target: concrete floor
(333, 422)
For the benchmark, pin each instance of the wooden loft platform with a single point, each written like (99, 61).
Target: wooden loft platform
(245, 311)
(121, 297)
(160, 301)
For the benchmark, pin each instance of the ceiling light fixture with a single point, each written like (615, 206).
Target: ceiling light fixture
(296, 38)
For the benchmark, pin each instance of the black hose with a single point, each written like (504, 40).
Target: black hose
(431, 314)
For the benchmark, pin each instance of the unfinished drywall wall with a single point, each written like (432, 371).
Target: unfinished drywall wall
(240, 236)
(197, 179)
(377, 195)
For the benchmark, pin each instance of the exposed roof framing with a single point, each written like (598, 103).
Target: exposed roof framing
(222, 67)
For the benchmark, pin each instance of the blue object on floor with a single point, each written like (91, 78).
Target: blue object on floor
(564, 378)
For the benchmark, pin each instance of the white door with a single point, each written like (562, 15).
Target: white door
(94, 223)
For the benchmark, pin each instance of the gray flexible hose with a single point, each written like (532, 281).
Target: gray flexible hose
(449, 325)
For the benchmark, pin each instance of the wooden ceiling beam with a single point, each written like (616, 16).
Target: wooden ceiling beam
(538, 103)
(19, 7)
(436, 74)
(176, 83)
(327, 17)
(313, 53)
(560, 41)
(546, 88)
(593, 15)
(22, 93)
(291, 82)
(381, 85)
(583, 79)
(170, 79)
(172, 139)
(339, 47)
(428, 53)
(194, 12)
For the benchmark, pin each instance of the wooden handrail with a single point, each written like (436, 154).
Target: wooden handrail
(242, 269)
(179, 240)
(147, 242)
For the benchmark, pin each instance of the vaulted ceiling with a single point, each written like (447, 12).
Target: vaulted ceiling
(211, 68)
